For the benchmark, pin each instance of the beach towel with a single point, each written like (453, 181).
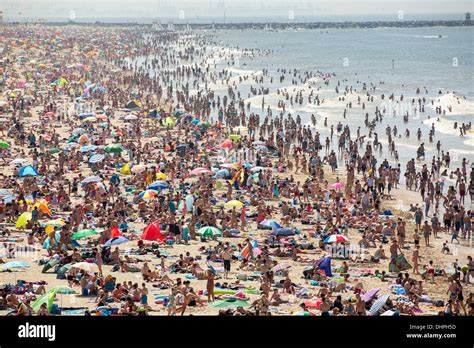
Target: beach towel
(399, 264)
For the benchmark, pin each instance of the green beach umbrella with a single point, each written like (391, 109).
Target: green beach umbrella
(4, 145)
(83, 234)
(113, 148)
(47, 298)
(235, 137)
(204, 124)
(54, 150)
(209, 231)
(230, 303)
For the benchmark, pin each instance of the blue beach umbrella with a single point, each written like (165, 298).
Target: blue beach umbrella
(96, 158)
(116, 241)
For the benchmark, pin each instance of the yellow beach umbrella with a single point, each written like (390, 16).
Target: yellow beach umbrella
(234, 203)
(23, 220)
(161, 175)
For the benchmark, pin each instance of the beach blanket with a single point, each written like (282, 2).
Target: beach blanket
(399, 264)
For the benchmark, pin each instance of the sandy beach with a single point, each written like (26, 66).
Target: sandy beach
(169, 151)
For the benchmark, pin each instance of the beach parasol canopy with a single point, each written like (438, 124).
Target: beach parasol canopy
(23, 220)
(159, 185)
(231, 302)
(116, 241)
(84, 234)
(209, 231)
(130, 117)
(88, 148)
(233, 203)
(335, 238)
(270, 223)
(378, 304)
(148, 194)
(161, 176)
(86, 266)
(283, 232)
(337, 185)
(96, 158)
(369, 295)
(200, 171)
(226, 144)
(27, 170)
(113, 148)
(47, 299)
(235, 137)
(280, 267)
(4, 145)
(14, 264)
(53, 150)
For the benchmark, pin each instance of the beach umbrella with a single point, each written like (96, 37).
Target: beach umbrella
(91, 179)
(14, 264)
(337, 185)
(19, 161)
(259, 169)
(130, 117)
(53, 150)
(335, 238)
(63, 289)
(84, 234)
(101, 117)
(304, 314)
(258, 142)
(261, 148)
(203, 124)
(283, 232)
(6, 192)
(280, 267)
(378, 304)
(103, 124)
(116, 241)
(209, 231)
(270, 223)
(23, 220)
(234, 203)
(78, 131)
(235, 137)
(370, 294)
(46, 298)
(88, 148)
(222, 173)
(231, 302)
(226, 144)
(169, 122)
(27, 170)
(195, 121)
(4, 145)
(148, 194)
(159, 185)
(90, 119)
(161, 175)
(96, 158)
(200, 171)
(86, 266)
(83, 139)
(113, 148)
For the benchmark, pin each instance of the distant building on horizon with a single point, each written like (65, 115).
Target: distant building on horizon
(1, 16)
(468, 16)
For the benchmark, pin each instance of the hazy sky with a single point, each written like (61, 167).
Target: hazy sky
(182, 9)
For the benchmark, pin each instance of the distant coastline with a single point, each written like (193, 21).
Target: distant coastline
(263, 25)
